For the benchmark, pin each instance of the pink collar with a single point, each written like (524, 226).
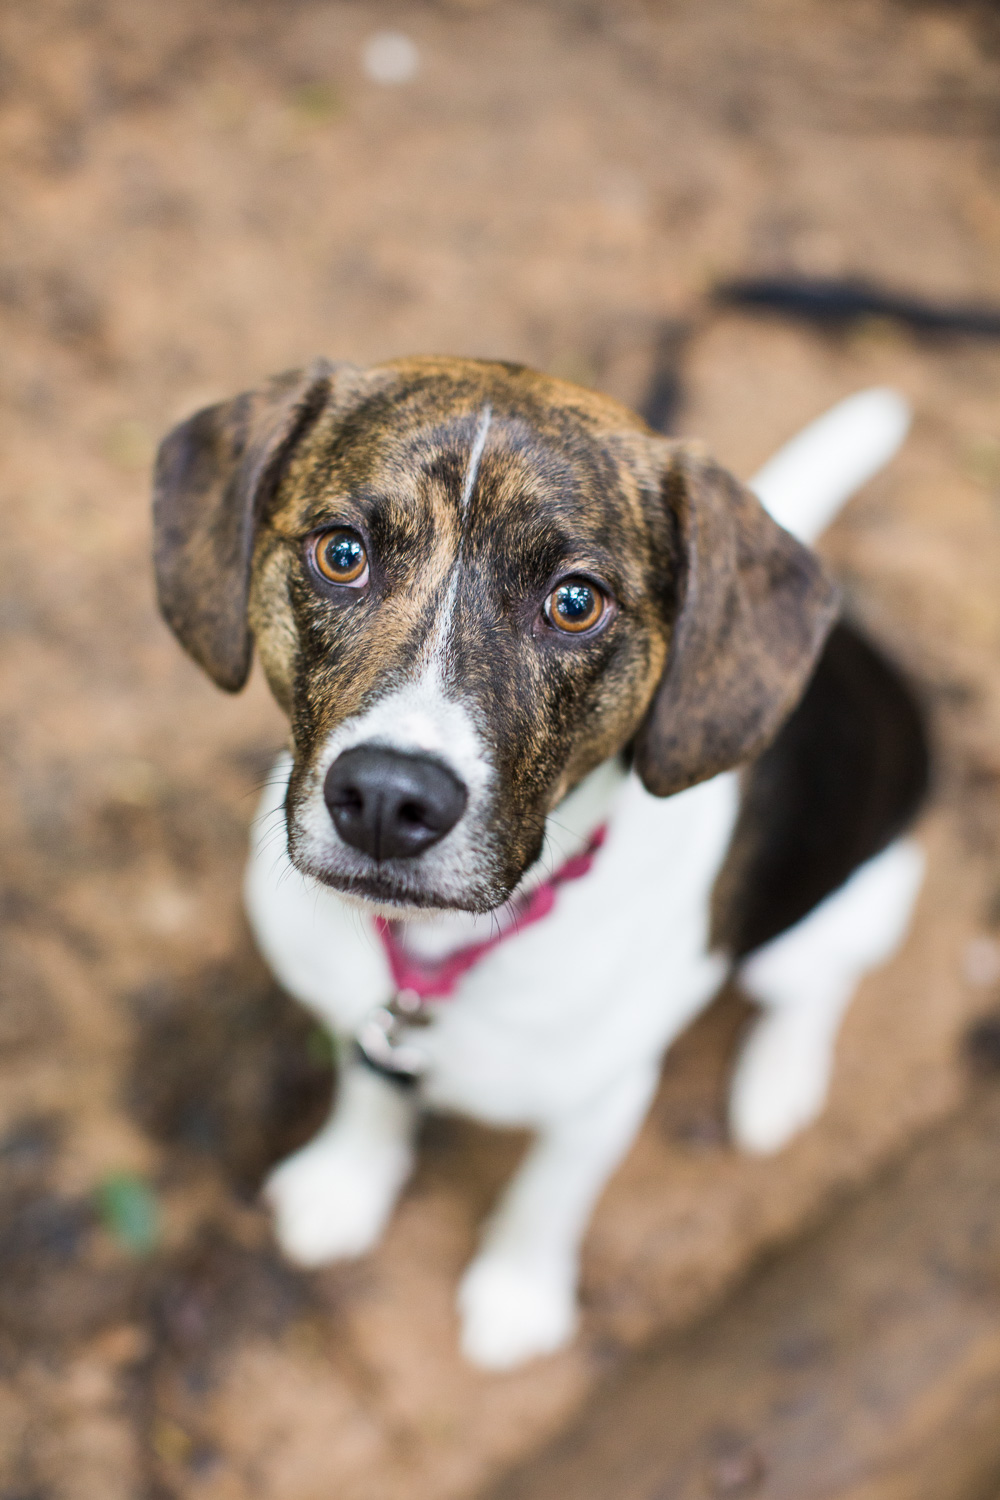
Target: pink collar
(438, 980)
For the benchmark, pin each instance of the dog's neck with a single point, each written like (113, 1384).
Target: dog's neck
(568, 830)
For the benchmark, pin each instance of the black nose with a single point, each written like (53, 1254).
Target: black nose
(389, 805)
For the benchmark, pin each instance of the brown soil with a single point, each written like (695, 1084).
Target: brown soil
(194, 196)
(863, 1365)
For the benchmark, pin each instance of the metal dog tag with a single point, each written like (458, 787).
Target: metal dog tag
(383, 1045)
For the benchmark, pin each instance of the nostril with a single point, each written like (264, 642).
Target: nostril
(414, 813)
(346, 799)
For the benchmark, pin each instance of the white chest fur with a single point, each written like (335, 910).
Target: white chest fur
(554, 1013)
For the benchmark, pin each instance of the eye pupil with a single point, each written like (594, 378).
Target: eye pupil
(342, 553)
(575, 601)
(340, 557)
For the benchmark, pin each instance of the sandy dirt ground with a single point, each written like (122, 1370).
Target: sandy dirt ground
(192, 196)
(862, 1363)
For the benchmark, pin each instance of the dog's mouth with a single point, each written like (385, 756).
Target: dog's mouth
(391, 896)
(395, 831)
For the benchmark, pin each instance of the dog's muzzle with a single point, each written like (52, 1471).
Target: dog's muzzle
(392, 805)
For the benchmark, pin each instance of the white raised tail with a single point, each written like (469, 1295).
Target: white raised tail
(807, 481)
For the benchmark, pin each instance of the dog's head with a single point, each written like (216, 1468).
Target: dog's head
(469, 584)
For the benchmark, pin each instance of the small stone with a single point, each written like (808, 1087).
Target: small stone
(390, 57)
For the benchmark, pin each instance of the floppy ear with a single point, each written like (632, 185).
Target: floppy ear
(754, 609)
(214, 476)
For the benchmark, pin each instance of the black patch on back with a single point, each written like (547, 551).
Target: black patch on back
(846, 774)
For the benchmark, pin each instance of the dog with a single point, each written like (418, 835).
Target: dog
(578, 729)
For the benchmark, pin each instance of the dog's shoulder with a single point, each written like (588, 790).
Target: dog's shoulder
(846, 774)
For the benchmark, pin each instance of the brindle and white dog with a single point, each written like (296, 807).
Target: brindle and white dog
(513, 627)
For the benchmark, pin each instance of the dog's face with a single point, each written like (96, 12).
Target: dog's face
(467, 574)
(469, 585)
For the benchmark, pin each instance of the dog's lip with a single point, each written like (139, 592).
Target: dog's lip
(385, 891)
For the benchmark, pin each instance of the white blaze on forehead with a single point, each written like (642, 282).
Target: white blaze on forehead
(475, 456)
(434, 650)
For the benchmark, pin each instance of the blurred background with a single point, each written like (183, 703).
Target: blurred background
(197, 194)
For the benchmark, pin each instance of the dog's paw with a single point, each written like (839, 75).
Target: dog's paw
(781, 1082)
(331, 1201)
(511, 1313)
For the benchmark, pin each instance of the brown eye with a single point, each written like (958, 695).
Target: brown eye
(576, 605)
(340, 557)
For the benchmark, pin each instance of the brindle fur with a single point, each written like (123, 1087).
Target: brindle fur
(719, 613)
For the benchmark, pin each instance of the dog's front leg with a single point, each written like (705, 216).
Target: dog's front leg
(332, 1199)
(518, 1297)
